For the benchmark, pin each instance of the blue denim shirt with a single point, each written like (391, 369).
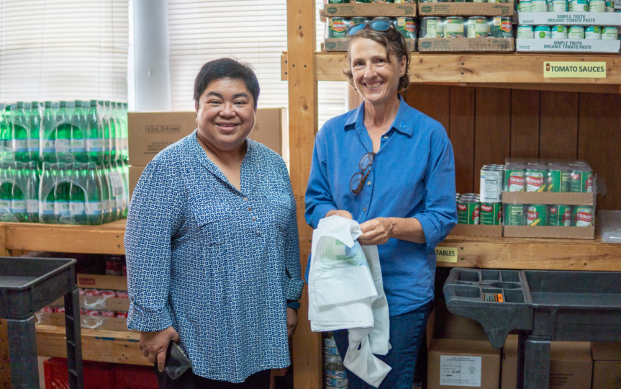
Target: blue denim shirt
(214, 262)
(413, 175)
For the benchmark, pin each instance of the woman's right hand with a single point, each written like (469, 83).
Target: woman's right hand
(340, 213)
(155, 344)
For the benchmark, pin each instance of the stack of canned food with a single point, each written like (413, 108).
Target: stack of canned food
(466, 27)
(367, 1)
(566, 6)
(471, 210)
(568, 32)
(336, 27)
(557, 215)
(334, 371)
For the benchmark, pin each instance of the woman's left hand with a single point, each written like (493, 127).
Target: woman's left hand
(376, 231)
(292, 321)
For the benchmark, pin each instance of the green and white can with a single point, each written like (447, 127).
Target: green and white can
(432, 27)
(502, 27)
(337, 27)
(513, 215)
(535, 180)
(539, 6)
(478, 27)
(525, 6)
(542, 32)
(491, 214)
(468, 210)
(610, 33)
(536, 215)
(559, 6)
(559, 32)
(593, 33)
(407, 27)
(514, 179)
(525, 32)
(597, 6)
(582, 216)
(559, 215)
(581, 181)
(576, 32)
(455, 27)
(579, 6)
(610, 6)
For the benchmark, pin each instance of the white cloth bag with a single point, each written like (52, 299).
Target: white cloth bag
(346, 292)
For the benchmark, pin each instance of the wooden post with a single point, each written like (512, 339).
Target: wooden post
(301, 45)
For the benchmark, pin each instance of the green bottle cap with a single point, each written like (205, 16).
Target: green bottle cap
(78, 103)
(62, 104)
(48, 104)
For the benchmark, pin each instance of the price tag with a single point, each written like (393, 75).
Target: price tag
(574, 69)
(446, 254)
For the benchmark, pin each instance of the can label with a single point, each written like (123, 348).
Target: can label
(553, 216)
(514, 180)
(491, 214)
(582, 216)
(593, 32)
(597, 6)
(491, 185)
(610, 33)
(537, 215)
(576, 32)
(514, 215)
(337, 28)
(565, 215)
(559, 6)
(535, 181)
(542, 32)
(468, 213)
(554, 180)
(525, 6)
(559, 32)
(581, 181)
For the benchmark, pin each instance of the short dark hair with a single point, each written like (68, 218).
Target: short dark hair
(226, 68)
(395, 45)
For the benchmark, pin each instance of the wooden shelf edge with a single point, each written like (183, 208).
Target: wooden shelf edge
(477, 69)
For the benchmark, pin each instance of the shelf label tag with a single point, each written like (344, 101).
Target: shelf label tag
(574, 69)
(446, 254)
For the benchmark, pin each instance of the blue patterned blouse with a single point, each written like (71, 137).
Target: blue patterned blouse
(216, 263)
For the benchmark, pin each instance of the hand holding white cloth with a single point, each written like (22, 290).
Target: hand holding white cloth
(346, 292)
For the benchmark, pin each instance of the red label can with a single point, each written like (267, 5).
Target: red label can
(108, 293)
(106, 313)
(92, 292)
(122, 314)
(59, 309)
(122, 294)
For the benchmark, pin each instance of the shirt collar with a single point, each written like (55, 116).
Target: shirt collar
(401, 124)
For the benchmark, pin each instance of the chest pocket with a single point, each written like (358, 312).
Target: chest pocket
(214, 224)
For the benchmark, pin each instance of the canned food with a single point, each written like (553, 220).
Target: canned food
(114, 267)
(336, 374)
(593, 33)
(81, 291)
(332, 359)
(610, 6)
(525, 32)
(122, 294)
(579, 6)
(559, 215)
(539, 6)
(59, 309)
(513, 215)
(478, 27)
(536, 215)
(337, 27)
(479, 1)
(330, 350)
(559, 6)
(92, 292)
(338, 383)
(535, 180)
(90, 312)
(432, 27)
(491, 214)
(559, 32)
(106, 313)
(514, 177)
(46, 310)
(554, 180)
(491, 179)
(338, 1)
(468, 211)
(542, 32)
(582, 216)
(502, 27)
(108, 293)
(597, 6)
(407, 27)
(455, 27)
(525, 6)
(610, 33)
(122, 314)
(581, 181)
(576, 32)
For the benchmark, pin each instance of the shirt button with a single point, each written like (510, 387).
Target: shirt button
(254, 218)
(385, 136)
(258, 233)
(368, 182)
(364, 209)
(249, 208)
(245, 198)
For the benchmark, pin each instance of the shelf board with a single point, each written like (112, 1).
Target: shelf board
(97, 345)
(539, 254)
(103, 239)
(466, 68)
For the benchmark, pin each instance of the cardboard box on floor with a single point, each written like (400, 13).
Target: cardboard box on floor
(460, 354)
(570, 365)
(606, 365)
(152, 132)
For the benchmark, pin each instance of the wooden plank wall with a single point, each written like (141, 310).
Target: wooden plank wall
(487, 125)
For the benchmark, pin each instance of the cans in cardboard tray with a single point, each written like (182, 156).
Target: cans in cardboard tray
(122, 314)
(526, 32)
(535, 179)
(107, 293)
(579, 6)
(559, 6)
(478, 27)
(610, 33)
(539, 6)
(92, 292)
(514, 215)
(581, 181)
(107, 313)
(576, 32)
(536, 215)
(582, 216)
(559, 32)
(59, 309)
(593, 33)
(501, 27)
(491, 214)
(455, 27)
(122, 294)
(559, 215)
(597, 6)
(557, 179)
(468, 209)
(432, 27)
(515, 180)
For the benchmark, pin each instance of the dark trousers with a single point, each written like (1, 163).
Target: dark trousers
(189, 380)
(406, 336)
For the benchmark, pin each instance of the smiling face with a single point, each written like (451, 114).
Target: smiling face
(225, 114)
(375, 73)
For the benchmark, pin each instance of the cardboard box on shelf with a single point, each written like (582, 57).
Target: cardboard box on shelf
(567, 45)
(476, 230)
(606, 365)
(465, 9)
(369, 9)
(152, 132)
(96, 302)
(342, 44)
(570, 18)
(570, 365)
(92, 322)
(465, 44)
(97, 281)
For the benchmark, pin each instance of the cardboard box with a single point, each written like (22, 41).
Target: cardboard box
(96, 281)
(549, 232)
(450, 326)
(92, 322)
(569, 18)
(476, 230)
(565, 198)
(152, 132)
(570, 365)
(465, 44)
(96, 302)
(342, 44)
(606, 365)
(567, 45)
(465, 9)
(455, 363)
(369, 9)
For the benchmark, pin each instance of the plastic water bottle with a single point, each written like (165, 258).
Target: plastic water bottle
(94, 196)
(34, 130)
(124, 132)
(105, 199)
(48, 134)
(125, 172)
(6, 192)
(111, 130)
(32, 192)
(19, 133)
(78, 133)
(101, 109)
(46, 193)
(94, 133)
(62, 144)
(61, 194)
(77, 208)
(5, 135)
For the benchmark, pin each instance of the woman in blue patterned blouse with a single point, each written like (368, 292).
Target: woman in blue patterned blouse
(212, 244)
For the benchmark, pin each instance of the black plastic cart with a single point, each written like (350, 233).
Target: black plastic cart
(26, 286)
(543, 305)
